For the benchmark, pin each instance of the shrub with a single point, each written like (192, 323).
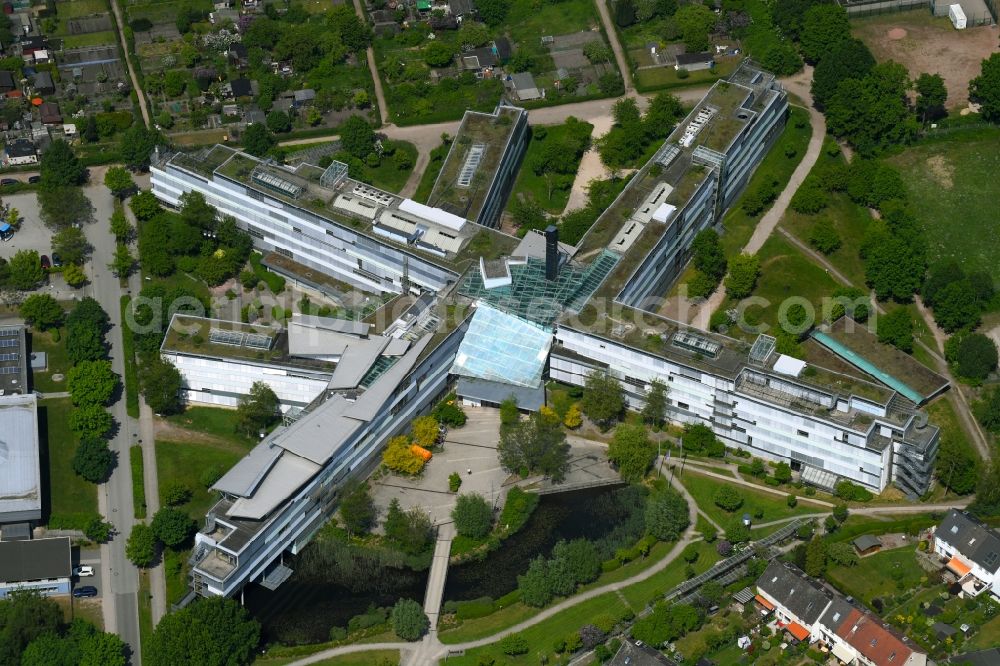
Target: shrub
(473, 516)
(514, 644)
(409, 620)
(449, 413)
(727, 498)
(454, 482)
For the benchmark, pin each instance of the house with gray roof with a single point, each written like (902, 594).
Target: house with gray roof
(970, 550)
(42, 565)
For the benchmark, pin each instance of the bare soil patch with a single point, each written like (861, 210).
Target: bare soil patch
(924, 43)
(942, 170)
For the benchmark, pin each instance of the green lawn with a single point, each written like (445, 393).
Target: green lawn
(873, 576)
(214, 421)
(145, 602)
(56, 358)
(537, 186)
(89, 39)
(430, 174)
(988, 635)
(703, 489)
(785, 272)
(131, 368)
(779, 164)
(387, 175)
(953, 186)
(184, 463)
(67, 10)
(138, 482)
(72, 500)
(638, 595)
(665, 78)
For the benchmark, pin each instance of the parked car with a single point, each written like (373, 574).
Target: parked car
(9, 181)
(85, 591)
(34, 179)
(56, 260)
(6, 232)
(46, 264)
(83, 570)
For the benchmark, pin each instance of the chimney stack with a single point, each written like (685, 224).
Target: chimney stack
(551, 252)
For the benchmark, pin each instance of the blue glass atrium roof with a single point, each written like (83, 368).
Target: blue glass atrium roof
(503, 348)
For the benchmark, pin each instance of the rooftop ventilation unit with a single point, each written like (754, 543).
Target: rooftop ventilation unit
(696, 343)
(220, 337)
(694, 127)
(472, 161)
(667, 153)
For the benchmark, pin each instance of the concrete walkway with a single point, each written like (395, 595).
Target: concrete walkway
(798, 84)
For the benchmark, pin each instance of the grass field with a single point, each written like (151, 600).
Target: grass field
(214, 421)
(56, 359)
(849, 220)
(72, 500)
(67, 10)
(89, 39)
(954, 189)
(541, 636)
(386, 175)
(138, 482)
(536, 186)
(184, 462)
(637, 595)
(785, 272)
(664, 78)
(703, 489)
(873, 576)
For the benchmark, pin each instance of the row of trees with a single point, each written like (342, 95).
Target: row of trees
(170, 527)
(33, 633)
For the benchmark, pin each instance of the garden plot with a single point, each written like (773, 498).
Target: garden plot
(87, 24)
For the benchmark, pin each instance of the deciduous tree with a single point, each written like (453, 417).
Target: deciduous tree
(25, 270)
(985, 88)
(409, 620)
(161, 383)
(357, 509)
(41, 312)
(603, 398)
(60, 166)
(473, 516)
(667, 515)
(931, 96)
(172, 526)
(91, 382)
(744, 270)
(258, 140)
(258, 410)
(536, 445)
(93, 460)
(631, 450)
(211, 631)
(141, 545)
(727, 498)
(119, 181)
(71, 245)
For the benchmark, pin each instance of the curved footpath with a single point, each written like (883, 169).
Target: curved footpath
(800, 85)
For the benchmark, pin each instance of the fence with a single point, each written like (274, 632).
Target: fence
(986, 15)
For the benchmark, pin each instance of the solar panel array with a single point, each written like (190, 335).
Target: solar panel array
(9, 342)
(8, 357)
(10, 370)
(7, 332)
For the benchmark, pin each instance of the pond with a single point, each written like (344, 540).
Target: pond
(327, 592)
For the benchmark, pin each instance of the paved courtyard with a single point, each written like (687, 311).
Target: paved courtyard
(474, 447)
(471, 447)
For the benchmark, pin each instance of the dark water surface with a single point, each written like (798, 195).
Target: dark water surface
(312, 601)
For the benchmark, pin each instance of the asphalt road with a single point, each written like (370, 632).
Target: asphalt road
(115, 496)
